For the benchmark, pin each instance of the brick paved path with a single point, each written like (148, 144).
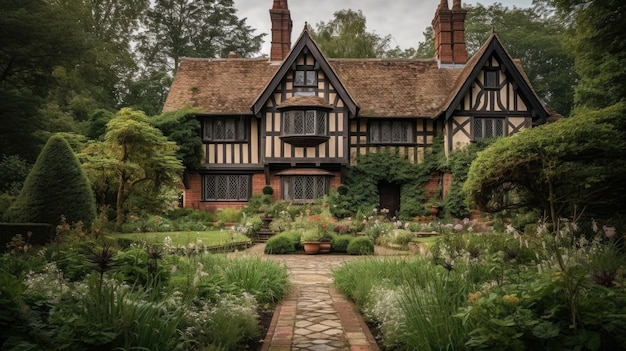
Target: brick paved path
(314, 317)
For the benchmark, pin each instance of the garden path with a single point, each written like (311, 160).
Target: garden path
(315, 317)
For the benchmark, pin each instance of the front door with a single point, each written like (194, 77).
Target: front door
(389, 197)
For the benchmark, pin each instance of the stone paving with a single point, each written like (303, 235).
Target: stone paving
(315, 317)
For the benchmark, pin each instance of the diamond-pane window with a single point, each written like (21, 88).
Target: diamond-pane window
(391, 132)
(226, 187)
(304, 188)
(488, 128)
(301, 122)
(225, 129)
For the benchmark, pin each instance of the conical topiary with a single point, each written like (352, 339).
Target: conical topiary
(57, 185)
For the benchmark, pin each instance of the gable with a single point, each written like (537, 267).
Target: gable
(492, 82)
(304, 56)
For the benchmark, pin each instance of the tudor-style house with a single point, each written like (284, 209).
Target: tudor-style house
(295, 121)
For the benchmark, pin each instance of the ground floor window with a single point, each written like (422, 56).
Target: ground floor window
(299, 188)
(226, 187)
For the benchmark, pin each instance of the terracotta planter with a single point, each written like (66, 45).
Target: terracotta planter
(325, 247)
(311, 247)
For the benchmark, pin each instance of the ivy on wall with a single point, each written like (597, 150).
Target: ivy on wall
(385, 165)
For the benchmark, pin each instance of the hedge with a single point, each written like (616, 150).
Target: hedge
(43, 233)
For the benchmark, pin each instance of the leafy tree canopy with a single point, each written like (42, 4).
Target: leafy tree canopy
(135, 157)
(346, 36)
(561, 168)
(598, 41)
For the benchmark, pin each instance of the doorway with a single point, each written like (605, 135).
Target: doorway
(389, 197)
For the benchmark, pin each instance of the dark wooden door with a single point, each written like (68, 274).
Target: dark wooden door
(389, 197)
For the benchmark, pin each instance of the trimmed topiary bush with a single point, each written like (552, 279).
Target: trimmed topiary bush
(279, 245)
(340, 243)
(361, 246)
(268, 190)
(56, 185)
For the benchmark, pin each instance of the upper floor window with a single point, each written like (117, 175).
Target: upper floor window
(303, 189)
(225, 129)
(488, 128)
(391, 132)
(305, 78)
(304, 122)
(492, 79)
(226, 187)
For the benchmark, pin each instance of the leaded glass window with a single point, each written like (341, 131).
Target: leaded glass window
(226, 187)
(488, 128)
(306, 78)
(299, 188)
(225, 129)
(300, 122)
(391, 132)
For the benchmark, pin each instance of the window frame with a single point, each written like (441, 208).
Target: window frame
(243, 182)
(496, 73)
(289, 187)
(377, 125)
(290, 115)
(241, 126)
(306, 71)
(484, 122)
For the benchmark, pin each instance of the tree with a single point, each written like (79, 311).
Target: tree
(536, 37)
(134, 156)
(346, 36)
(598, 41)
(56, 186)
(38, 39)
(194, 28)
(561, 168)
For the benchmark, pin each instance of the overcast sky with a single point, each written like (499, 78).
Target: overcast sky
(404, 20)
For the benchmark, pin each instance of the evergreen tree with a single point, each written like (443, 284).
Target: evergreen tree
(55, 187)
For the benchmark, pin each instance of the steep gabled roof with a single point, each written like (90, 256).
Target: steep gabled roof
(369, 87)
(219, 86)
(304, 41)
(512, 68)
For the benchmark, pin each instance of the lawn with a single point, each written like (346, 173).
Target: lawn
(208, 238)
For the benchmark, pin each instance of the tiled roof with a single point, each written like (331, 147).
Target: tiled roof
(395, 88)
(379, 87)
(385, 88)
(219, 86)
(309, 101)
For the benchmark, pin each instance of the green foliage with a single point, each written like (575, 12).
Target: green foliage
(182, 127)
(598, 41)
(13, 172)
(137, 159)
(55, 187)
(345, 36)
(228, 215)
(257, 204)
(360, 246)
(268, 190)
(560, 168)
(340, 243)
(280, 244)
(41, 233)
(362, 181)
(267, 281)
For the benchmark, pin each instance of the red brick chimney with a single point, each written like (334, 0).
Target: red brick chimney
(281, 30)
(449, 33)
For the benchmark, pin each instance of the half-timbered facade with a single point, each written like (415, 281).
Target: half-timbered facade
(297, 120)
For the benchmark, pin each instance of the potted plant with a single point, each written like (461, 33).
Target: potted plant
(325, 238)
(311, 241)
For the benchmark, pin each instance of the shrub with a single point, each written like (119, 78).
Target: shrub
(228, 215)
(360, 246)
(41, 233)
(56, 186)
(279, 244)
(340, 243)
(268, 190)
